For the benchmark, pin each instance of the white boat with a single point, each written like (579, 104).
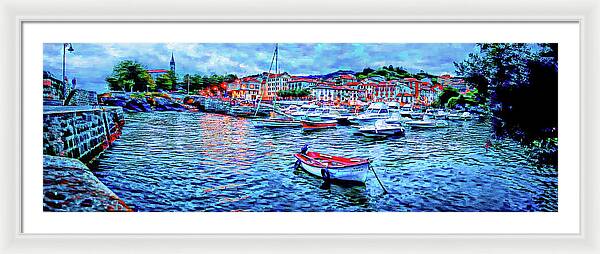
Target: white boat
(291, 109)
(334, 168)
(397, 118)
(393, 107)
(330, 114)
(427, 123)
(453, 115)
(467, 116)
(304, 110)
(381, 128)
(406, 110)
(377, 110)
(416, 115)
(441, 114)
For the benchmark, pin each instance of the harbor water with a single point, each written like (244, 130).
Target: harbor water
(185, 161)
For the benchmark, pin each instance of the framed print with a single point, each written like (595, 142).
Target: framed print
(312, 128)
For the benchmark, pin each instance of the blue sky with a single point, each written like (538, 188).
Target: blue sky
(91, 63)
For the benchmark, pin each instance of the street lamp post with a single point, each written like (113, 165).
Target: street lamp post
(65, 82)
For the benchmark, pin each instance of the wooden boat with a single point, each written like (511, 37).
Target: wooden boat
(276, 123)
(333, 168)
(313, 125)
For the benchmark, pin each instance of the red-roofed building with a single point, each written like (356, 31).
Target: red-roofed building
(245, 88)
(329, 93)
(301, 83)
(381, 91)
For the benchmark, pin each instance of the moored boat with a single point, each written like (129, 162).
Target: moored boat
(427, 123)
(381, 128)
(441, 114)
(304, 110)
(377, 110)
(397, 118)
(333, 168)
(315, 125)
(276, 123)
(453, 116)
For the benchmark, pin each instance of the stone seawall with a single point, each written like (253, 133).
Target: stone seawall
(83, 97)
(69, 186)
(74, 135)
(81, 132)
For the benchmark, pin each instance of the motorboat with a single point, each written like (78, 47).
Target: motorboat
(333, 168)
(393, 107)
(427, 123)
(416, 115)
(406, 110)
(305, 110)
(397, 118)
(381, 128)
(467, 116)
(377, 110)
(453, 115)
(441, 114)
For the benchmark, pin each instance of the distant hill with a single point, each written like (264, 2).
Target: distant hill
(329, 75)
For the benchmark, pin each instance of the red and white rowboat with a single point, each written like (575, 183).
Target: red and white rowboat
(333, 167)
(311, 125)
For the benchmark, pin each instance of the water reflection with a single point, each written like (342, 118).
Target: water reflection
(169, 161)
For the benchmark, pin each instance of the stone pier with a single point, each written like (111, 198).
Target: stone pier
(81, 132)
(74, 135)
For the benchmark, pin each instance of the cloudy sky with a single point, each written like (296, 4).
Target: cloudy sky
(91, 63)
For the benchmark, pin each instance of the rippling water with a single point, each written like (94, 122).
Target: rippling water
(170, 161)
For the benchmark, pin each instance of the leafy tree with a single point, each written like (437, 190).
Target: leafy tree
(130, 76)
(446, 94)
(522, 82)
(164, 82)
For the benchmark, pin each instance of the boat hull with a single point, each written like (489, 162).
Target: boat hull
(388, 132)
(426, 124)
(275, 124)
(311, 125)
(355, 173)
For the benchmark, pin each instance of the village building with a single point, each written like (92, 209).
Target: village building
(295, 83)
(329, 93)
(380, 91)
(245, 88)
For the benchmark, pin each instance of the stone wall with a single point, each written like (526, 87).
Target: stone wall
(84, 98)
(69, 186)
(81, 132)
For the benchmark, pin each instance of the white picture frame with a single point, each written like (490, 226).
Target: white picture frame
(12, 240)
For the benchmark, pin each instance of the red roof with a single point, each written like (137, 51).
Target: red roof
(346, 76)
(249, 79)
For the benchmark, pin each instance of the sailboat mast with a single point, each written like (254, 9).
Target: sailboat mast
(279, 85)
(273, 60)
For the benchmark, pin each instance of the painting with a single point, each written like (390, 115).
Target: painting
(300, 127)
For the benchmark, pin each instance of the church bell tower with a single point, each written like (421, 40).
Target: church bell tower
(172, 63)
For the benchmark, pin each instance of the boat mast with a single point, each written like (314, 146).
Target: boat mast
(273, 60)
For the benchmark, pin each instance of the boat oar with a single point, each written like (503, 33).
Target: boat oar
(379, 181)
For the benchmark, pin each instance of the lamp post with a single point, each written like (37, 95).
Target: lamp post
(65, 82)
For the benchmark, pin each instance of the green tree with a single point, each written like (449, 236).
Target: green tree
(130, 76)
(522, 83)
(164, 82)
